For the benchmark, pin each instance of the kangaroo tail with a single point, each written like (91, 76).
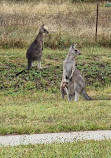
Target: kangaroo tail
(85, 95)
(17, 74)
(20, 72)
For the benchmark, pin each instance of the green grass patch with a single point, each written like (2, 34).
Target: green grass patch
(94, 64)
(31, 103)
(41, 112)
(85, 149)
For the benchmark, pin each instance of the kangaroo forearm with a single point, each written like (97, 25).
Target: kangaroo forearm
(72, 73)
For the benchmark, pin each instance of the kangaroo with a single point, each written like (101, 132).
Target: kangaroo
(34, 52)
(72, 83)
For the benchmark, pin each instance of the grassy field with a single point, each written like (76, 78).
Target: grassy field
(94, 63)
(86, 149)
(66, 22)
(31, 103)
(32, 114)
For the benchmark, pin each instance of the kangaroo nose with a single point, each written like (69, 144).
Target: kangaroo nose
(79, 53)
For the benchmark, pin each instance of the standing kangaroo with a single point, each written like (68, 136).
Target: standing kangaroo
(72, 83)
(34, 52)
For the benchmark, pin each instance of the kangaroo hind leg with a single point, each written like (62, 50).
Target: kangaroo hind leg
(76, 96)
(29, 64)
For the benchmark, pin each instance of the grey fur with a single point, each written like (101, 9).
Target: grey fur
(72, 77)
(34, 52)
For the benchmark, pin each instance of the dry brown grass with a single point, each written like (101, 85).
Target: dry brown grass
(64, 21)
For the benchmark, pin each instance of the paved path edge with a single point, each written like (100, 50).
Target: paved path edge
(13, 140)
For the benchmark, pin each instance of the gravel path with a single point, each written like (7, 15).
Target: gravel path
(14, 140)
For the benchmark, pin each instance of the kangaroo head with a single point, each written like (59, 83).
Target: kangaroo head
(73, 50)
(65, 84)
(43, 30)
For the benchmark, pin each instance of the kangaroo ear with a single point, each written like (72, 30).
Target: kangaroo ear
(75, 45)
(42, 25)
